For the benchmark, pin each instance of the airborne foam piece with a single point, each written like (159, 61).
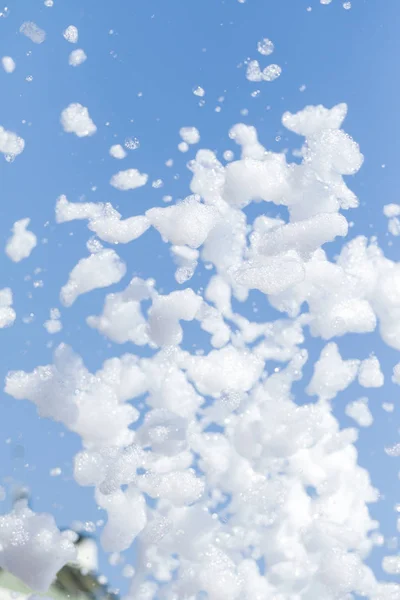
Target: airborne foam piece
(8, 64)
(391, 210)
(304, 236)
(22, 242)
(167, 311)
(183, 147)
(7, 313)
(253, 72)
(359, 411)
(77, 57)
(91, 405)
(129, 180)
(225, 369)
(126, 518)
(332, 374)
(99, 270)
(270, 275)
(75, 119)
(122, 319)
(10, 143)
(270, 73)
(33, 32)
(393, 451)
(199, 91)
(71, 34)
(265, 47)
(396, 374)
(313, 119)
(103, 219)
(117, 151)
(53, 325)
(32, 548)
(251, 179)
(370, 374)
(186, 223)
(187, 260)
(391, 564)
(190, 135)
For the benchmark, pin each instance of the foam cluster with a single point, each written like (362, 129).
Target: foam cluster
(230, 488)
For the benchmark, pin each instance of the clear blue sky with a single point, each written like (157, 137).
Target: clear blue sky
(162, 49)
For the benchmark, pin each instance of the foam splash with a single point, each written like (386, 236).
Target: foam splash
(253, 496)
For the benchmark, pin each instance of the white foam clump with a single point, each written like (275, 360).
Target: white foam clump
(117, 151)
(392, 212)
(183, 147)
(393, 451)
(265, 47)
(122, 319)
(10, 143)
(238, 472)
(33, 32)
(359, 411)
(103, 219)
(71, 34)
(199, 91)
(270, 73)
(8, 64)
(391, 564)
(22, 241)
(396, 374)
(32, 548)
(129, 180)
(99, 270)
(7, 313)
(332, 374)
(53, 325)
(186, 223)
(190, 135)
(77, 57)
(75, 119)
(370, 374)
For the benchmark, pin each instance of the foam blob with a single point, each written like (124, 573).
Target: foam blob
(10, 144)
(97, 271)
(359, 411)
(22, 241)
(8, 64)
(77, 57)
(190, 135)
(117, 151)
(370, 374)
(7, 313)
(75, 119)
(32, 548)
(128, 180)
(33, 32)
(71, 34)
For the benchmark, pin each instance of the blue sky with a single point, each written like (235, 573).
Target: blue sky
(144, 59)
